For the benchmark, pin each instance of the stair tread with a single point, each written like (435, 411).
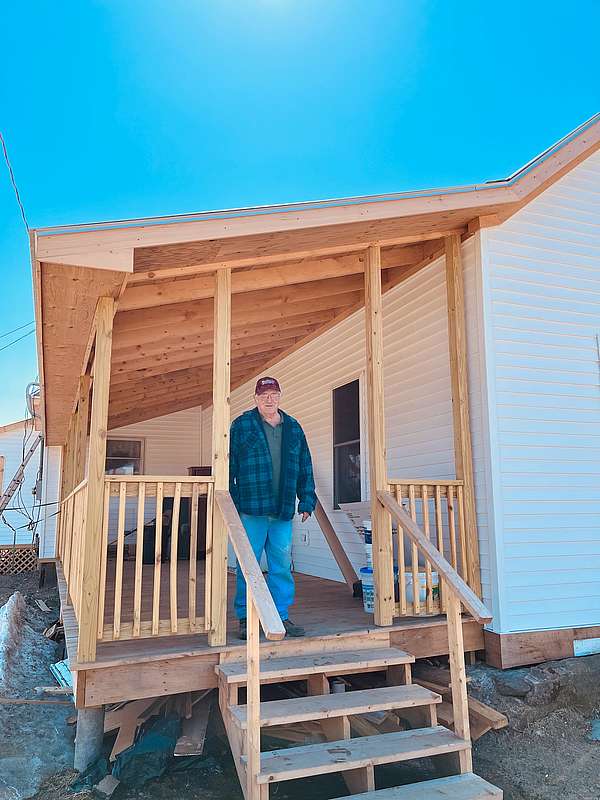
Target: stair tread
(325, 706)
(455, 787)
(387, 748)
(316, 663)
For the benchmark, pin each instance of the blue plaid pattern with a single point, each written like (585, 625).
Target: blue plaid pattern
(250, 469)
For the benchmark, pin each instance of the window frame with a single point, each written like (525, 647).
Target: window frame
(138, 439)
(355, 377)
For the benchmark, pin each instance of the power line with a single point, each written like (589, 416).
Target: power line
(14, 330)
(14, 341)
(12, 180)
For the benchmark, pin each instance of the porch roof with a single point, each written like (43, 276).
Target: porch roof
(297, 271)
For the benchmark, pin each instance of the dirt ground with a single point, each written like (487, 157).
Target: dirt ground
(544, 754)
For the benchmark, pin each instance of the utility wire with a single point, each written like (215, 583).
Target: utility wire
(12, 180)
(14, 341)
(14, 330)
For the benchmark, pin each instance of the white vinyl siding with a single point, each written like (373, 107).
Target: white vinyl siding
(543, 273)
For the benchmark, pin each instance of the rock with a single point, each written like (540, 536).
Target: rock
(512, 684)
(107, 786)
(544, 687)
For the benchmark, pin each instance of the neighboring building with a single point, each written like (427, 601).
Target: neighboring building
(15, 526)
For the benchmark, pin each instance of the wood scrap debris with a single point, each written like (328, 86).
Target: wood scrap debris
(193, 728)
(40, 604)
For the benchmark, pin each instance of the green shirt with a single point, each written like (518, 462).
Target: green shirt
(274, 436)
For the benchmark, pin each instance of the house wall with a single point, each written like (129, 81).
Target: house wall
(171, 444)
(12, 438)
(541, 274)
(418, 404)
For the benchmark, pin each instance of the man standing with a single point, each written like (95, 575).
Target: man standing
(269, 466)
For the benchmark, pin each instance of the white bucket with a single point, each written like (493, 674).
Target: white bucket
(368, 589)
(422, 578)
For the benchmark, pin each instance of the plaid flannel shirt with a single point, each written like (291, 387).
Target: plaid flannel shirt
(250, 468)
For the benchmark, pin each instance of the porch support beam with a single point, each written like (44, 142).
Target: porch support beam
(92, 533)
(463, 453)
(216, 611)
(383, 557)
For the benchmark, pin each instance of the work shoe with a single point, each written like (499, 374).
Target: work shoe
(243, 631)
(292, 630)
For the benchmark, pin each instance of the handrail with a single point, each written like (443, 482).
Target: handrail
(265, 607)
(445, 570)
(74, 491)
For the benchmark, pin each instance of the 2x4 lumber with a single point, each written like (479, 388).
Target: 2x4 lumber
(88, 612)
(327, 706)
(261, 596)
(290, 245)
(320, 759)
(253, 704)
(463, 453)
(335, 545)
(383, 555)
(458, 677)
(221, 419)
(293, 668)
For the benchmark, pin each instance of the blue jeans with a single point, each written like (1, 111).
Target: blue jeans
(274, 536)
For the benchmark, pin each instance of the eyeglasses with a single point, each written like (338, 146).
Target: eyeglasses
(268, 396)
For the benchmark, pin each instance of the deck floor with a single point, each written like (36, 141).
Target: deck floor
(325, 608)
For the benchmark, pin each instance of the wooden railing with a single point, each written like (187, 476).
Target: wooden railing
(456, 594)
(70, 541)
(439, 508)
(261, 612)
(129, 591)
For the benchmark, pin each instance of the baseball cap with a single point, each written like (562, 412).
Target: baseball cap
(267, 384)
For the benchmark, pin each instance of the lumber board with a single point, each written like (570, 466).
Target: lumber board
(327, 706)
(457, 787)
(319, 759)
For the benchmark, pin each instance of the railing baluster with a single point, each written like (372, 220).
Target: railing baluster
(428, 577)
(414, 553)
(210, 505)
(173, 565)
(401, 562)
(451, 525)
(103, 559)
(462, 533)
(139, 552)
(119, 564)
(439, 525)
(157, 560)
(193, 566)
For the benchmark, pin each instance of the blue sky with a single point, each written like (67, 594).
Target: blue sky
(123, 109)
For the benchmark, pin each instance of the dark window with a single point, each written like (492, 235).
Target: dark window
(346, 444)
(123, 457)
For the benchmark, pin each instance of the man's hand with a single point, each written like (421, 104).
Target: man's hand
(305, 516)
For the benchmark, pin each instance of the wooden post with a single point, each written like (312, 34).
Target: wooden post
(252, 699)
(220, 449)
(463, 453)
(458, 676)
(383, 556)
(92, 535)
(81, 428)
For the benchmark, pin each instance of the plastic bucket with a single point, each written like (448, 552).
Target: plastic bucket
(422, 578)
(368, 589)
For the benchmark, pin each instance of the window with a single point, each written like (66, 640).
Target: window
(123, 457)
(346, 444)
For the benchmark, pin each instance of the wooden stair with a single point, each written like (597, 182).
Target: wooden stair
(354, 758)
